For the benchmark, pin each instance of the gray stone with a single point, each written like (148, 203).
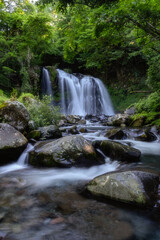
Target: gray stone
(136, 186)
(67, 151)
(118, 120)
(12, 143)
(50, 132)
(115, 133)
(118, 151)
(15, 114)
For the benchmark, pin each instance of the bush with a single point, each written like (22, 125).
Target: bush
(43, 113)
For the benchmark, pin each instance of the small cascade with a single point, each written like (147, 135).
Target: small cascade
(83, 95)
(23, 159)
(21, 162)
(46, 83)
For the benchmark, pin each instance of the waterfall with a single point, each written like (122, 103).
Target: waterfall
(46, 83)
(83, 95)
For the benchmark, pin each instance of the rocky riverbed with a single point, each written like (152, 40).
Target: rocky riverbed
(90, 178)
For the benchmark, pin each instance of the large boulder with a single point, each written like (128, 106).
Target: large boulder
(118, 151)
(49, 132)
(64, 152)
(136, 186)
(15, 114)
(12, 143)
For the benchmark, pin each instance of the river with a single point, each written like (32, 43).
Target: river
(48, 204)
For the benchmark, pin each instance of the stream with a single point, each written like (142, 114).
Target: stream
(48, 204)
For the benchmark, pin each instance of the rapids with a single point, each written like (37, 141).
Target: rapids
(47, 204)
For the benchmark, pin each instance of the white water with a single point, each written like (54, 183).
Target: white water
(87, 95)
(146, 148)
(46, 83)
(20, 164)
(43, 178)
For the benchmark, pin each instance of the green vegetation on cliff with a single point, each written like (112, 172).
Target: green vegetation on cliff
(117, 41)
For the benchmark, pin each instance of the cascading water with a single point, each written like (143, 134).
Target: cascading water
(82, 96)
(46, 83)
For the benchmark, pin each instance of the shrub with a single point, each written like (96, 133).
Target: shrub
(150, 104)
(43, 113)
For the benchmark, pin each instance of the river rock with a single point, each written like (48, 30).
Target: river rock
(136, 186)
(12, 143)
(138, 122)
(140, 134)
(130, 111)
(15, 114)
(115, 133)
(49, 132)
(67, 151)
(118, 151)
(73, 130)
(119, 119)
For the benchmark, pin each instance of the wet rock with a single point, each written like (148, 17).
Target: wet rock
(141, 135)
(35, 134)
(82, 130)
(31, 125)
(12, 143)
(139, 122)
(82, 121)
(115, 133)
(73, 130)
(130, 111)
(119, 119)
(64, 152)
(73, 119)
(118, 151)
(136, 186)
(15, 114)
(49, 132)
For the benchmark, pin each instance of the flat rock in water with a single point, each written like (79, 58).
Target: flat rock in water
(12, 143)
(49, 132)
(118, 151)
(136, 186)
(64, 152)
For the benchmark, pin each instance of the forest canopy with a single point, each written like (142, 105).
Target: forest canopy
(116, 40)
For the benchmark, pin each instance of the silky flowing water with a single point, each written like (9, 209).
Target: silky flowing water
(48, 204)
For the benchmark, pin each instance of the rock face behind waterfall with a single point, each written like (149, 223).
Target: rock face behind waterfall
(136, 186)
(12, 143)
(64, 152)
(82, 95)
(15, 114)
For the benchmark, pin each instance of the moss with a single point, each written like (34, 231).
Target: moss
(2, 105)
(53, 73)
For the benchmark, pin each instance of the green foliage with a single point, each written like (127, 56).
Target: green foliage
(25, 87)
(123, 98)
(3, 97)
(14, 94)
(43, 113)
(151, 104)
(26, 98)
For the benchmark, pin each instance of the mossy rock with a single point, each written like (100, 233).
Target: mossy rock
(65, 152)
(15, 114)
(136, 186)
(34, 134)
(118, 151)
